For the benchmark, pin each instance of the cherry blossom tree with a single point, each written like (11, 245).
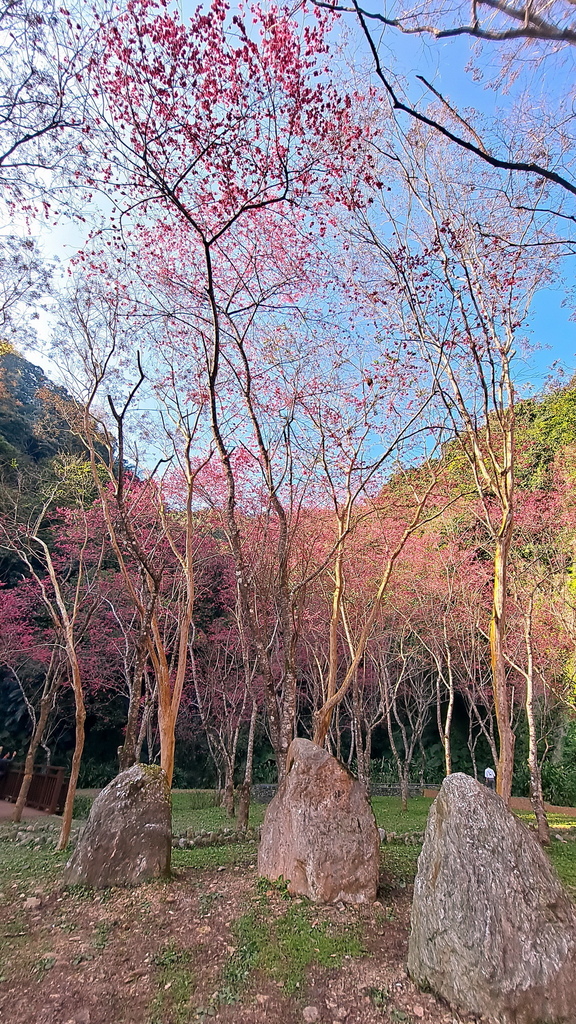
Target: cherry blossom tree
(463, 296)
(66, 582)
(526, 37)
(217, 215)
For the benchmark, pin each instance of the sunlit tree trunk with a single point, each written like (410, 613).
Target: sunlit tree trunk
(497, 635)
(536, 795)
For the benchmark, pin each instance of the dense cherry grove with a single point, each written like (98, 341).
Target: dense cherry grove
(293, 486)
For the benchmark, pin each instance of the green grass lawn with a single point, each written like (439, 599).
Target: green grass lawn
(21, 867)
(187, 814)
(215, 856)
(400, 860)
(389, 813)
(563, 857)
(194, 809)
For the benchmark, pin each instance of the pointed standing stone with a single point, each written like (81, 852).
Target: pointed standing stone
(493, 930)
(319, 832)
(128, 836)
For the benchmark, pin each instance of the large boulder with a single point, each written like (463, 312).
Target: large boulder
(493, 930)
(319, 832)
(128, 836)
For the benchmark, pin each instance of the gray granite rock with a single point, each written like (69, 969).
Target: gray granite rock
(493, 930)
(128, 836)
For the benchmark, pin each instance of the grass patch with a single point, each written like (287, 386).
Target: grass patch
(563, 857)
(215, 856)
(41, 966)
(196, 799)
(557, 822)
(301, 942)
(400, 861)
(284, 948)
(251, 934)
(389, 813)
(208, 818)
(82, 806)
(22, 867)
(171, 1004)
(101, 935)
(14, 944)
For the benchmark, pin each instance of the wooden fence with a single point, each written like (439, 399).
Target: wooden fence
(47, 791)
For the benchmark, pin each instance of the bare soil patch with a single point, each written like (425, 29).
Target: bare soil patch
(165, 953)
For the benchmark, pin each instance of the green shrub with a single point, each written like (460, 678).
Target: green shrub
(95, 775)
(82, 806)
(559, 784)
(521, 780)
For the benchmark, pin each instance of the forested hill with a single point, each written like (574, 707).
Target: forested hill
(31, 429)
(545, 428)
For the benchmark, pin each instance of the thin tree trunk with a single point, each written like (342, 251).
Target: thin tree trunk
(352, 746)
(536, 795)
(472, 746)
(77, 756)
(445, 728)
(487, 733)
(357, 726)
(338, 732)
(448, 729)
(422, 762)
(68, 623)
(497, 631)
(228, 795)
(144, 732)
(246, 787)
(230, 762)
(396, 753)
(368, 757)
(450, 708)
(128, 750)
(46, 705)
(403, 777)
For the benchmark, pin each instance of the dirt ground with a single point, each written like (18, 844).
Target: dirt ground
(28, 813)
(158, 954)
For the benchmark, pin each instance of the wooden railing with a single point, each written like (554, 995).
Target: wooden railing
(47, 791)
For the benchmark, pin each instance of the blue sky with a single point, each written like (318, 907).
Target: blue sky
(554, 332)
(446, 65)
